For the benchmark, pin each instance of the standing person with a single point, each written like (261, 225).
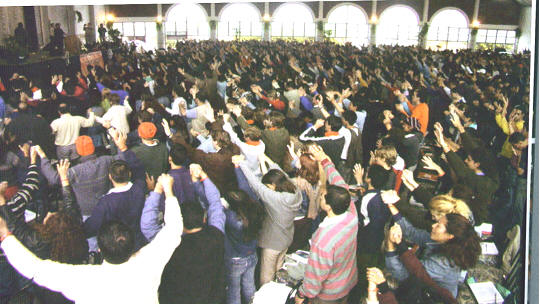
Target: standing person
(21, 36)
(102, 31)
(331, 271)
(58, 39)
(281, 199)
(89, 34)
(153, 154)
(66, 130)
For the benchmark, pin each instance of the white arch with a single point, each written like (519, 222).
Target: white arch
(345, 4)
(402, 29)
(243, 19)
(193, 20)
(228, 6)
(450, 8)
(288, 20)
(448, 33)
(293, 3)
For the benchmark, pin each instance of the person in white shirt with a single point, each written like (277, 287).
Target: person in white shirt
(66, 130)
(179, 102)
(124, 277)
(117, 115)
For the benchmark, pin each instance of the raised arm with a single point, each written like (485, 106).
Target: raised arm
(216, 214)
(150, 222)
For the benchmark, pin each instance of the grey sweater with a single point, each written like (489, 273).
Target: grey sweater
(281, 208)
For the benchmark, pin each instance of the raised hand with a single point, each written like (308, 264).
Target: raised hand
(63, 168)
(150, 182)
(375, 275)
(358, 172)
(196, 172)
(389, 197)
(237, 159)
(166, 181)
(318, 153)
(166, 128)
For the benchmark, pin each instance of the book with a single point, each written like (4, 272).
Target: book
(486, 293)
(489, 248)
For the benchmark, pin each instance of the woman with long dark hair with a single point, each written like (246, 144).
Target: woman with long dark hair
(452, 246)
(243, 224)
(281, 199)
(59, 238)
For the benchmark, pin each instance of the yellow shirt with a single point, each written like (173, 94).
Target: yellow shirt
(506, 150)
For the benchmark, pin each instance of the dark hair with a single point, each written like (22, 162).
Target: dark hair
(114, 99)
(279, 180)
(253, 133)
(350, 117)
(63, 108)
(178, 154)
(481, 155)
(276, 118)
(193, 214)
(119, 171)
(116, 242)
(66, 238)
(251, 213)
(144, 116)
(222, 138)
(378, 176)
(334, 122)
(309, 169)
(464, 249)
(516, 137)
(337, 198)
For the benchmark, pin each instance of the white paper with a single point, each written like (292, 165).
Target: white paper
(29, 215)
(489, 248)
(486, 293)
(485, 228)
(272, 293)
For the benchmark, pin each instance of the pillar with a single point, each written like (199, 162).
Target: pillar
(267, 22)
(213, 21)
(159, 28)
(71, 20)
(474, 28)
(373, 23)
(92, 22)
(422, 39)
(524, 41)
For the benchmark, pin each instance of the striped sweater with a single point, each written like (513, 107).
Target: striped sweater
(17, 203)
(331, 272)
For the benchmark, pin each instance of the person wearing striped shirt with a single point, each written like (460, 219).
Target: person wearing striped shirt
(331, 271)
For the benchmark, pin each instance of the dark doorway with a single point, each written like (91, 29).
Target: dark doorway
(30, 25)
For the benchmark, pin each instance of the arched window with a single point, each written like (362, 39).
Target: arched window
(187, 21)
(449, 29)
(239, 20)
(398, 24)
(293, 20)
(348, 23)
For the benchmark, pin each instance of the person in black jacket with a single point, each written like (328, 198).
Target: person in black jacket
(60, 238)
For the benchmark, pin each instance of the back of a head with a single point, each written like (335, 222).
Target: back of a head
(338, 199)
(119, 171)
(253, 133)
(193, 214)
(114, 99)
(334, 122)
(388, 153)
(250, 213)
(445, 204)
(67, 239)
(378, 176)
(178, 154)
(63, 108)
(350, 117)
(116, 242)
(276, 118)
(279, 180)
(309, 168)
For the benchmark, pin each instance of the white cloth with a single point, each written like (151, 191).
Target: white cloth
(135, 281)
(66, 128)
(175, 109)
(117, 116)
(250, 152)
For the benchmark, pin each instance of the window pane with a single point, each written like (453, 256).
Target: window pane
(140, 29)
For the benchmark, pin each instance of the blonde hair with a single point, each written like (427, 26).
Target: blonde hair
(387, 153)
(441, 205)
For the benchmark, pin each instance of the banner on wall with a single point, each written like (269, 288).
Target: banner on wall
(94, 59)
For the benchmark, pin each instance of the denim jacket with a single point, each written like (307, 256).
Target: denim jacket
(442, 270)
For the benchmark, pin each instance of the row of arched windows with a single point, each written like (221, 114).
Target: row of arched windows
(397, 24)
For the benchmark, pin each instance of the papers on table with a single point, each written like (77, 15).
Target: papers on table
(484, 229)
(489, 248)
(272, 293)
(486, 293)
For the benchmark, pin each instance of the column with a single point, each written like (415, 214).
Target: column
(71, 20)
(159, 27)
(474, 25)
(524, 40)
(424, 26)
(267, 22)
(373, 23)
(320, 22)
(213, 20)
(92, 22)
(43, 25)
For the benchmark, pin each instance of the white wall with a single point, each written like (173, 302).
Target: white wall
(525, 26)
(10, 16)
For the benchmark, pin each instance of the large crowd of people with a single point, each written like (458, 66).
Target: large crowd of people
(186, 174)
